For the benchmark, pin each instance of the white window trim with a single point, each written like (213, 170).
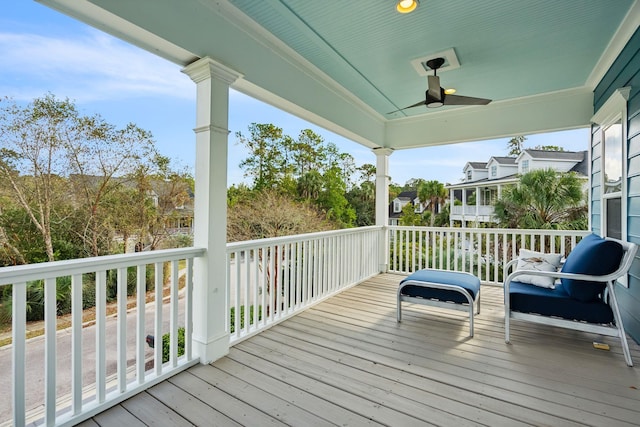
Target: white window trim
(612, 111)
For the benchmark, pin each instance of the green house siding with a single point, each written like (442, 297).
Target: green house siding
(625, 71)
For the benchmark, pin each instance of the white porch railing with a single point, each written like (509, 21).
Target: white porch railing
(480, 251)
(268, 281)
(272, 279)
(484, 210)
(67, 398)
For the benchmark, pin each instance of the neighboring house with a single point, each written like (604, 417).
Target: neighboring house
(175, 201)
(475, 171)
(472, 199)
(404, 198)
(397, 204)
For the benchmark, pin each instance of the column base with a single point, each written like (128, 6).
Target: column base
(212, 350)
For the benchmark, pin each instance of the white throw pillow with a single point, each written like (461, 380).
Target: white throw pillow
(530, 260)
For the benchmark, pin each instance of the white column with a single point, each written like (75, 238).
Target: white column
(464, 207)
(210, 338)
(452, 200)
(478, 200)
(382, 204)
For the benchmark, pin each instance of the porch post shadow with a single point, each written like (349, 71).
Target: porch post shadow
(210, 335)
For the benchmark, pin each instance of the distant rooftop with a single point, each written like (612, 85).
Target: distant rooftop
(557, 155)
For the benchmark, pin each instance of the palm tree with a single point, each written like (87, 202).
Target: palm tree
(435, 193)
(544, 199)
(310, 185)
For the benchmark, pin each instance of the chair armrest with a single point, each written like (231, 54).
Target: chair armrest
(509, 266)
(558, 275)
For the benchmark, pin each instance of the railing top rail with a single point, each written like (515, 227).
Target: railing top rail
(28, 272)
(235, 246)
(495, 230)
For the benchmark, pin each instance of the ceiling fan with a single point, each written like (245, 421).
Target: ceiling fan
(435, 95)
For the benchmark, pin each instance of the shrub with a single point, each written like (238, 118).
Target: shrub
(232, 320)
(166, 343)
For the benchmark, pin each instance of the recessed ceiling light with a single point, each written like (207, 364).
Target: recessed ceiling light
(449, 91)
(407, 6)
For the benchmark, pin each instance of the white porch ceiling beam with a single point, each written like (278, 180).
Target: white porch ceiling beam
(112, 24)
(568, 109)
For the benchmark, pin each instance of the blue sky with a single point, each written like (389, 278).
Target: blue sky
(44, 51)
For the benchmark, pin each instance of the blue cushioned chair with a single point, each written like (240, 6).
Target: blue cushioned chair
(584, 300)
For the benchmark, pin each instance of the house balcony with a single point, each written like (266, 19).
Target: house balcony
(472, 213)
(312, 340)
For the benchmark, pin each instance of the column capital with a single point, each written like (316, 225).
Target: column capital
(212, 128)
(205, 68)
(382, 151)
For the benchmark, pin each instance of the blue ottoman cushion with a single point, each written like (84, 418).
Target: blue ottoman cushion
(595, 256)
(463, 280)
(527, 298)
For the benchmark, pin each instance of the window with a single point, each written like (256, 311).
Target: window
(469, 175)
(613, 158)
(494, 171)
(612, 119)
(612, 180)
(525, 166)
(396, 206)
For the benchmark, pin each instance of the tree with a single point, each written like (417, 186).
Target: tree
(442, 218)
(102, 159)
(433, 192)
(548, 148)
(33, 156)
(544, 199)
(266, 161)
(367, 172)
(306, 169)
(515, 145)
(270, 214)
(172, 191)
(309, 154)
(413, 184)
(310, 185)
(394, 191)
(238, 193)
(53, 156)
(363, 199)
(332, 199)
(409, 216)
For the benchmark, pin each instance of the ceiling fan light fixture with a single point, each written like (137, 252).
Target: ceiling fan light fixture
(434, 104)
(407, 6)
(449, 91)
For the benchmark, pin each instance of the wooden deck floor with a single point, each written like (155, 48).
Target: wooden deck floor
(347, 362)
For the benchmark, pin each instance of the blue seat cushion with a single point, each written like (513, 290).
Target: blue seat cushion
(462, 280)
(527, 298)
(592, 255)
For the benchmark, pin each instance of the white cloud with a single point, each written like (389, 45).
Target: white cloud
(86, 67)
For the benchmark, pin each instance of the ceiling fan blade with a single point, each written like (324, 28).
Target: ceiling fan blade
(434, 91)
(464, 100)
(417, 104)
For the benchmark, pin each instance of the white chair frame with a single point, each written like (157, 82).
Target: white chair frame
(617, 330)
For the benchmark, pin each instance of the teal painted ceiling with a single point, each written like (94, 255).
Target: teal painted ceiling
(506, 48)
(344, 64)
